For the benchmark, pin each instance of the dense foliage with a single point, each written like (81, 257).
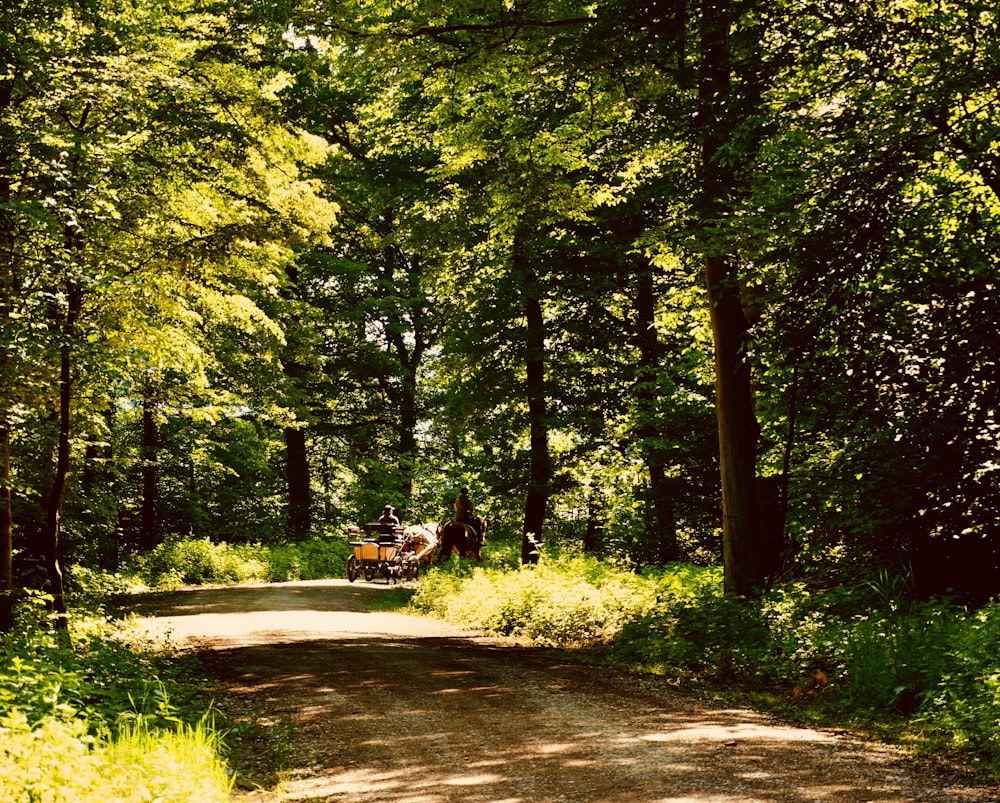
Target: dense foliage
(711, 281)
(199, 561)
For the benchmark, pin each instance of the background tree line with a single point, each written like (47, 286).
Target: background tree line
(686, 280)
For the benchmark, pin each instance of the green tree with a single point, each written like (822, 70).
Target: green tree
(142, 180)
(881, 175)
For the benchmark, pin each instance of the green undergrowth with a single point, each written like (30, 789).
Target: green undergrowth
(869, 657)
(101, 712)
(198, 561)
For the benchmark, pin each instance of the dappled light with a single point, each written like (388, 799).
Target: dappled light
(394, 709)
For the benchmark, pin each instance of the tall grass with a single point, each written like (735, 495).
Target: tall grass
(58, 761)
(102, 716)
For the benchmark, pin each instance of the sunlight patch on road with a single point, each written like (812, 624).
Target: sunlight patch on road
(548, 749)
(472, 780)
(716, 733)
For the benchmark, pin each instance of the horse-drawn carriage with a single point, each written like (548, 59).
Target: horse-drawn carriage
(397, 553)
(390, 551)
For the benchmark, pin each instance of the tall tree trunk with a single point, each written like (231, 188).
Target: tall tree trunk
(593, 538)
(297, 474)
(538, 480)
(737, 422)
(60, 481)
(148, 535)
(6, 290)
(70, 316)
(409, 348)
(408, 426)
(663, 526)
(738, 433)
(6, 533)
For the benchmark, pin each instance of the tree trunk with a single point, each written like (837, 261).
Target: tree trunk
(737, 422)
(150, 445)
(538, 480)
(297, 474)
(593, 539)
(407, 453)
(738, 432)
(662, 527)
(6, 533)
(6, 290)
(60, 480)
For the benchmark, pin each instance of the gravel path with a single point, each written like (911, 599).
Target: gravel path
(402, 709)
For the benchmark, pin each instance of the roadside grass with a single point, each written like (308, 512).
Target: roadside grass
(925, 674)
(197, 561)
(100, 713)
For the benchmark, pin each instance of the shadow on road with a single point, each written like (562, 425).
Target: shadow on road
(399, 709)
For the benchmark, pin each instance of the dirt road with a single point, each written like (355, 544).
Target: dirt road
(400, 709)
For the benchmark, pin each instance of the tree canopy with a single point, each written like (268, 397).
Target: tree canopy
(715, 280)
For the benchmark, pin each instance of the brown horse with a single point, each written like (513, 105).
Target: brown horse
(457, 536)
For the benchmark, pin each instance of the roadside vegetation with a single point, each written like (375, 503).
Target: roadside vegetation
(180, 561)
(98, 712)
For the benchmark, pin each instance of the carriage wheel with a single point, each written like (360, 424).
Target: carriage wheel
(352, 568)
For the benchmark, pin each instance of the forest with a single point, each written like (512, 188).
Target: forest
(709, 282)
(699, 298)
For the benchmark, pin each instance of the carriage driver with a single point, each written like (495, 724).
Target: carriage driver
(389, 516)
(464, 512)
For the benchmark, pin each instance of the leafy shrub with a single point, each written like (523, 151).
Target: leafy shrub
(568, 600)
(93, 588)
(105, 674)
(893, 660)
(320, 558)
(697, 631)
(964, 704)
(198, 561)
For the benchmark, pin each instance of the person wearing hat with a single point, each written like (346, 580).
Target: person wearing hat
(464, 512)
(388, 516)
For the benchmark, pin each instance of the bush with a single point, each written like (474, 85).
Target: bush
(569, 600)
(321, 558)
(198, 561)
(104, 674)
(964, 703)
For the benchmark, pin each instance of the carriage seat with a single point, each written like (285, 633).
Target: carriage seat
(385, 533)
